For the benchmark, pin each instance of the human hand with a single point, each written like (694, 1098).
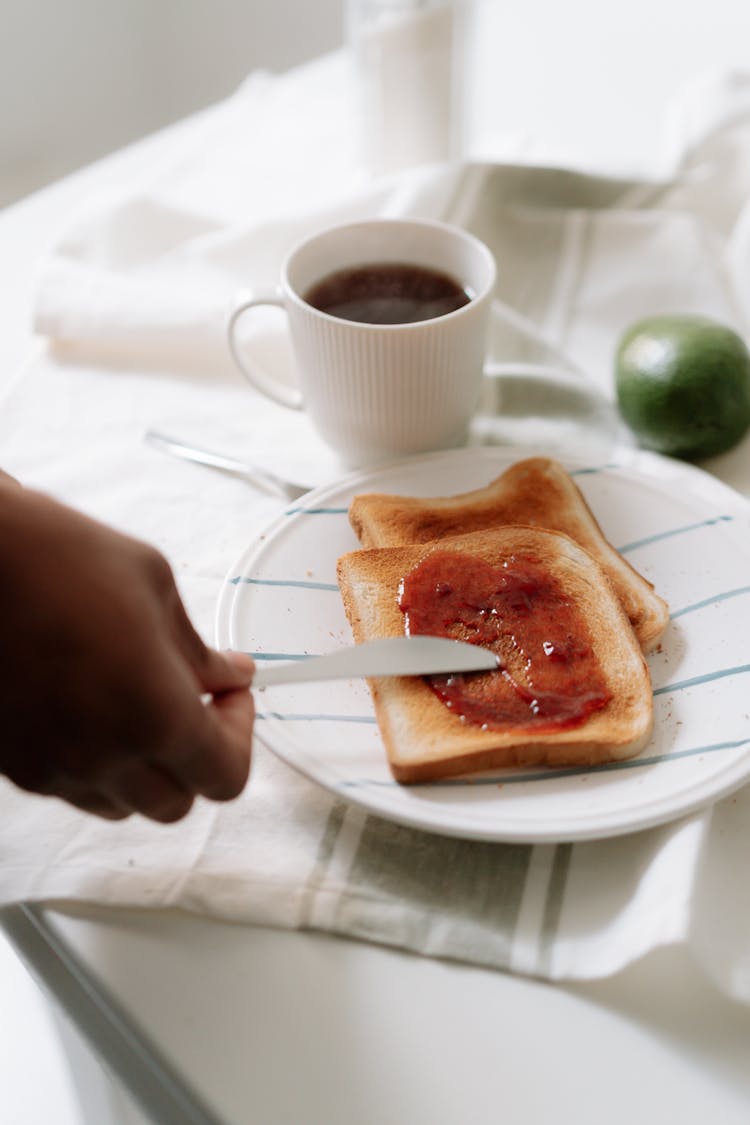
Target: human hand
(104, 678)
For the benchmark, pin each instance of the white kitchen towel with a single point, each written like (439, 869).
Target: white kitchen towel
(142, 284)
(146, 275)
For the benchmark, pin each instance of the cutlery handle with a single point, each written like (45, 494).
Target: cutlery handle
(199, 456)
(260, 478)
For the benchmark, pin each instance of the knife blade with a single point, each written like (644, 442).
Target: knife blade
(388, 656)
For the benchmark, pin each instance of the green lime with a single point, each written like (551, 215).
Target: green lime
(683, 385)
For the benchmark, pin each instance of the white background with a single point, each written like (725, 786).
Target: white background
(80, 78)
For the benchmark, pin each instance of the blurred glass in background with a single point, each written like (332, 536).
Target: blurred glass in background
(410, 57)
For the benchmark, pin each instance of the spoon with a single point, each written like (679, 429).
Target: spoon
(252, 474)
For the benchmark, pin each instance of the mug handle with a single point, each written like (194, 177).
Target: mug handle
(260, 379)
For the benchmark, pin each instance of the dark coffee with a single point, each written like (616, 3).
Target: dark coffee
(387, 293)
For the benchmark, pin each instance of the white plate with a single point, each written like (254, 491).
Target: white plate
(684, 530)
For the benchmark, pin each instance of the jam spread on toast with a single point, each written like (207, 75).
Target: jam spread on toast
(550, 678)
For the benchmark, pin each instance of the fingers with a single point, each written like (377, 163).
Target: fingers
(215, 671)
(96, 803)
(212, 760)
(225, 671)
(148, 789)
(204, 748)
(207, 753)
(215, 760)
(129, 786)
(233, 714)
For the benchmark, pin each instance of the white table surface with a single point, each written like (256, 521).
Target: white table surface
(275, 1027)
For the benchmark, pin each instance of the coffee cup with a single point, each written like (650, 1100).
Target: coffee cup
(388, 321)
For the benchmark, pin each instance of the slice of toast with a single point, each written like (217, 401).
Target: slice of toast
(424, 738)
(538, 492)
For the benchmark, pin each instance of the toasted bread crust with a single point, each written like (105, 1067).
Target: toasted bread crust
(423, 739)
(537, 492)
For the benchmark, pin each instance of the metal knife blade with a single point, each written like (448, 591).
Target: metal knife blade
(389, 656)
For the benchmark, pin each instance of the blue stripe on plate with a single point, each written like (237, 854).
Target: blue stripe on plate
(315, 718)
(674, 531)
(711, 601)
(594, 469)
(706, 678)
(553, 774)
(299, 582)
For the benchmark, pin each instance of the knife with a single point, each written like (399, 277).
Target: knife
(389, 656)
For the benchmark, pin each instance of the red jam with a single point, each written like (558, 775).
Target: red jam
(550, 677)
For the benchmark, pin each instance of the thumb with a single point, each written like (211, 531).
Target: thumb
(216, 671)
(225, 671)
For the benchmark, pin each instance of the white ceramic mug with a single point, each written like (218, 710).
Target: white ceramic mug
(375, 391)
